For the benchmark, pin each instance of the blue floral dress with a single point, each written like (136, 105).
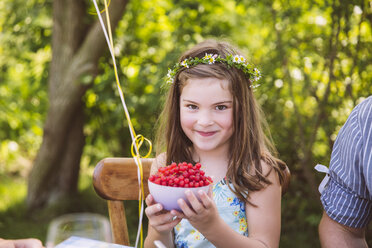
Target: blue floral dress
(230, 208)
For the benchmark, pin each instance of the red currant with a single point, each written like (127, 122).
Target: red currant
(182, 174)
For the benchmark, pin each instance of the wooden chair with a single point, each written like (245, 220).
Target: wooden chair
(115, 179)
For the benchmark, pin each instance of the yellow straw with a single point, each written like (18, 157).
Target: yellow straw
(95, 13)
(139, 139)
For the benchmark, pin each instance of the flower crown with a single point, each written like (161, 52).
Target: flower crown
(236, 61)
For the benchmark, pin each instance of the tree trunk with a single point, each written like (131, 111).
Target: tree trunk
(76, 48)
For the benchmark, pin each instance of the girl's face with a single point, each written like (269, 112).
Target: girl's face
(206, 111)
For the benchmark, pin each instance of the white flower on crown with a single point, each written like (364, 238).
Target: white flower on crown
(257, 74)
(257, 78)
(211, 61)
(236, 58)
(169, 75)
(239, 59)
(209, 58)
(184, 63)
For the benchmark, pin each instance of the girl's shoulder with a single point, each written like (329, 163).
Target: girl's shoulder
(266, 168)
(276, 171)
(158, 162)
(270, 173)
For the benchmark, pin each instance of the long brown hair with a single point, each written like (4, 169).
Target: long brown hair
(249, 145)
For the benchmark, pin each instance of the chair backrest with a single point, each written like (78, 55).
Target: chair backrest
(115, 179)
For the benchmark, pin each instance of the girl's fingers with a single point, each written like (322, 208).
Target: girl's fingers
(149, 200)
(205, 199)
(187, 211)
(169, 225)
(152, 210)
(162, 219)
(177, 214)
(194, 202)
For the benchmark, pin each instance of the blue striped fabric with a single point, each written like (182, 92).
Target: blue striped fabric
(347, 198)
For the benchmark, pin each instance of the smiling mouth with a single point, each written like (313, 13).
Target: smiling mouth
(206, 134)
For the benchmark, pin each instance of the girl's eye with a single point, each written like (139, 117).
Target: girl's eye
(221, 107)
(191, 106)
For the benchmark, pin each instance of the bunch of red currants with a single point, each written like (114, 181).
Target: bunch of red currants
(184, 175)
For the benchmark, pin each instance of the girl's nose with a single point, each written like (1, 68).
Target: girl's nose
(205, 119)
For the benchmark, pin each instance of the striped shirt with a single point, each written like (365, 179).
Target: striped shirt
(347, 198)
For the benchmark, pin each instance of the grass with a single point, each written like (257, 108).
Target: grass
(12, 190)
(16, 222)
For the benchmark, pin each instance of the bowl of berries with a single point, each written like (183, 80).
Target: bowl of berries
(170, 183)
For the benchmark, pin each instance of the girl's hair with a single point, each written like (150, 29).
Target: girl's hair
(249, 145)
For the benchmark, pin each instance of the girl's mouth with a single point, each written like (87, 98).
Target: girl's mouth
(206, 134)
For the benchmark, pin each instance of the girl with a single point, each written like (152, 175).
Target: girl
(211, 117)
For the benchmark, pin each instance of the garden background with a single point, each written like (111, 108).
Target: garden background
(60, 112)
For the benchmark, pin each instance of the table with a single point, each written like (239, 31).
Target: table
(79, 242)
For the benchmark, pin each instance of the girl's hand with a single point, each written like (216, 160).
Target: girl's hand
(162, 221)
(200, 214)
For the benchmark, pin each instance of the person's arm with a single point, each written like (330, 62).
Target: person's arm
(21, 243)
(263, 220)
(333, 234)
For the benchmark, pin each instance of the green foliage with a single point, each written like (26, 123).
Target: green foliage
(25, 53)
(315, 57)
